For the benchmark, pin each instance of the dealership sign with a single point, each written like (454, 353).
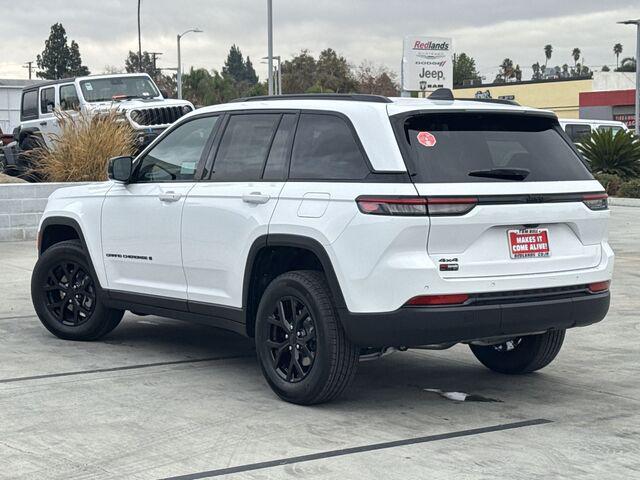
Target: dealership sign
(427, 63)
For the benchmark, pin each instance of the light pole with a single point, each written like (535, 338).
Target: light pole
(637, 24)
(270, 45)
(179, 74)
(277, 83)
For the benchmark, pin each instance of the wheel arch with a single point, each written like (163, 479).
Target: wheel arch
(295, 252)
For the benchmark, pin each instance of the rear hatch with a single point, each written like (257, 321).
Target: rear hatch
(506, 193)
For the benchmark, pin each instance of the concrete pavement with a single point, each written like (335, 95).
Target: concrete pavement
(160, 398)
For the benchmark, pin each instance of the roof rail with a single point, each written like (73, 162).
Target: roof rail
(502, 101)
(355, 97)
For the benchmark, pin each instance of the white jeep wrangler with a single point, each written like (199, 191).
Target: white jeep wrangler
(135, 96)
(330, 227)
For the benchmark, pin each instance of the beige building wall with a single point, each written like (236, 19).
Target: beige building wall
(561, 96)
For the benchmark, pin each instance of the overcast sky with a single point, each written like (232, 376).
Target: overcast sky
(488, 30)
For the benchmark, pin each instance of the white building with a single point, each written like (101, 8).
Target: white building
(10, 97)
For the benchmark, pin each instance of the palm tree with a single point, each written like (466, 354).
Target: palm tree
(536, 71)
(617, 50)
(576, 56)
(507, 69)
(548, 50)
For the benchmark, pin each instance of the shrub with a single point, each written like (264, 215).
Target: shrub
(611, 183)
(80, 152)
(617, 154)
(630, 189)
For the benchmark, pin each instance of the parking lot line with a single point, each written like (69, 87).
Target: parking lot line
(363, 448)
(127, 367)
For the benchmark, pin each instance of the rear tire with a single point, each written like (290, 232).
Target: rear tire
(67, 297)
(522, 354)
(302, 348)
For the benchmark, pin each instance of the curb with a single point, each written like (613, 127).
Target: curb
(624, 202)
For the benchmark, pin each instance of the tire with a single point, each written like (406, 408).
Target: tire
(326, 362)
(82, 316)
(522, 354)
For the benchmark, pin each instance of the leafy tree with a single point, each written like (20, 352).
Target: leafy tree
(628, 64)
(617, 154)
(234, 66)
(617, 50)
(144, 64)
(548, 50)
(76, 69)
(299, 73)
(237, 69)
(565, 71)
(58, 60)
(605, 68)
(376, 80)
(518, 73)
(250, 73)
(464, 68)
(333, 73)
(576, 56)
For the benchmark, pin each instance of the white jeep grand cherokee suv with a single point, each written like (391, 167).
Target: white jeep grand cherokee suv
(330, 227)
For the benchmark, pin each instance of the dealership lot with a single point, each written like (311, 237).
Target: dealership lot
(159, 398)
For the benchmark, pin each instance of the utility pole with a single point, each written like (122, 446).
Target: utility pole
(139, 41)
(270, 44)
(28, 65)
(637, 24)
(154, 57)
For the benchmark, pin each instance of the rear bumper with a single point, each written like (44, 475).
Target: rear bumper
(414, 326)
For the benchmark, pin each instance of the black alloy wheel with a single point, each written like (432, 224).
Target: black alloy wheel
(70, 293)
(67, 296)
(292, 339)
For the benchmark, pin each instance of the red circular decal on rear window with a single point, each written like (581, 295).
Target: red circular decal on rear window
(426, 139)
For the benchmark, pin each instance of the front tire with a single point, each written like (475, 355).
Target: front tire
(67, 297)
(522, 354)
(302, 348)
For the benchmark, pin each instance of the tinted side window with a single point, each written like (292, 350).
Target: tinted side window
(47, 100)
(279, 153)
(176, 156)
(69, 98)
(244, 147)
(29, 105)
(325, 148)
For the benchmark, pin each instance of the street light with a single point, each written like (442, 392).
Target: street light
(637, 24)
(179, 74)
(270, 44)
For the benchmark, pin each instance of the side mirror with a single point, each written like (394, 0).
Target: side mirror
(119, 169)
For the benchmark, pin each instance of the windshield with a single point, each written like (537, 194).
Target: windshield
(489, 147)
(117, 88)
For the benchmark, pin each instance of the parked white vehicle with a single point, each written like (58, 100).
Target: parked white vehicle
(580, 128)
(135, 96)
(332, 226)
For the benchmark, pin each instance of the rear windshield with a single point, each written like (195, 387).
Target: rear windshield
(489, 147)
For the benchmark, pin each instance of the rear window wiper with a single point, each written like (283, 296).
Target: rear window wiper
(503, 173)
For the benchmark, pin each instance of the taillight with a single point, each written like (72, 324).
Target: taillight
(415, 206)
(401, 206)
(599, 287)
(596, 201)
(430, 300)
(451, 205)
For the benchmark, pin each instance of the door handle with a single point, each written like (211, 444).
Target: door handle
(43, 124)
(255, 197)
(169, 196)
